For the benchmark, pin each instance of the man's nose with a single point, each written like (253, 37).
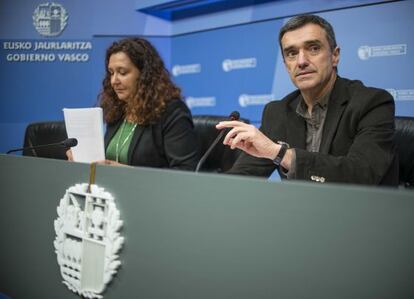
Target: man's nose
(302, 59)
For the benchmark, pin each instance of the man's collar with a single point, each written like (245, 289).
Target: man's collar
(323, 101)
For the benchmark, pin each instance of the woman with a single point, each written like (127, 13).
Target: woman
(147, 122)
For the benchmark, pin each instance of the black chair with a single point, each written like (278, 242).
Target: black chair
(219, 160)
(222, 157)
(47, 132)
(404, 139)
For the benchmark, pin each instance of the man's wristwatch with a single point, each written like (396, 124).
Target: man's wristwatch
(283, 148)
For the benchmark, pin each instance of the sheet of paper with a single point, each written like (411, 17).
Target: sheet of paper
(86, 125)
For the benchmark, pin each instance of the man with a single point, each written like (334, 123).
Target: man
(329, 130)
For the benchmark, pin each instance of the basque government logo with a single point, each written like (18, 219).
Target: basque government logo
(366, 52)
(50, 19)
(255, 99)
(88, 239)
(186, 69)
(235, 64)
(200, 102)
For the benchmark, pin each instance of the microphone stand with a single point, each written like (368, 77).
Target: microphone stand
(70, 142)
(235, 115)
(207, 153)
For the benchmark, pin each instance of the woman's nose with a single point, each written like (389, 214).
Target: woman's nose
(114, 79)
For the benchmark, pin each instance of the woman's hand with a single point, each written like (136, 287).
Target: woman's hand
(69, 155)
(110, 162)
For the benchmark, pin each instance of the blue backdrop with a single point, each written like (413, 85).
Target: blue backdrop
(241, 68)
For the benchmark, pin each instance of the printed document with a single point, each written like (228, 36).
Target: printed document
(86, 125)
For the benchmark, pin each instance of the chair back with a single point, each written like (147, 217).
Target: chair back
(222, 157)
(404, 140)
(47, 132)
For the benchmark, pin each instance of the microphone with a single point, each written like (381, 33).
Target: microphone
(70, 142)
(235, 115)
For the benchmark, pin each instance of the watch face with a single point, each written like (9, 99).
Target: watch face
(285, 143)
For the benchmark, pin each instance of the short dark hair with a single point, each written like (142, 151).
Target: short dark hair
(302, 20)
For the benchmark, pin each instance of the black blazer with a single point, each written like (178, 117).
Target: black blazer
(170, 143)
(357, 140)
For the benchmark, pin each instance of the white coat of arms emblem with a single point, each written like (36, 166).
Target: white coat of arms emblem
(87, 239)
(50, 19)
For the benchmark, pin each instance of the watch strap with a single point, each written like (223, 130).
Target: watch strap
(281, 154)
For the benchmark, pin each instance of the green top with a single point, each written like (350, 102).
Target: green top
(118, 147)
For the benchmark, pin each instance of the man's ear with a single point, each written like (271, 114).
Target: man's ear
(335, 56)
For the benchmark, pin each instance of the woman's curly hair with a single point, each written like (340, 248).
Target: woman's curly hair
(154, 86)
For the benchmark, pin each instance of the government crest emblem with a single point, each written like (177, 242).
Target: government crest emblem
(364, 52)
(87, 239)
(50, 19)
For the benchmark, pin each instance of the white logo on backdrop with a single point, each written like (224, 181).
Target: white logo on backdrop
(255, 99)
(200, 102)
(50, 19)
(366, 52)
(87, 239)
(178, 70)
(234, 64)
(402, 94)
